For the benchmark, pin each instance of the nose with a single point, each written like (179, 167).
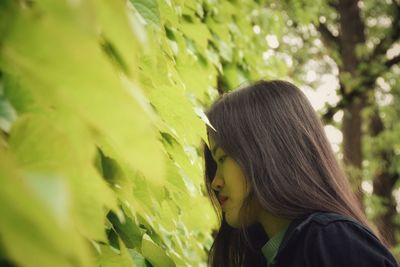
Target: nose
(217, 183)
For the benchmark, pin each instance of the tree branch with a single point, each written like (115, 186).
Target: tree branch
(366, 85)
(392, 61)
(331, 110)
(386, 42)
(328, 38)
(333, 5)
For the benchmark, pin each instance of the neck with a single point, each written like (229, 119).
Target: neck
(272, 224)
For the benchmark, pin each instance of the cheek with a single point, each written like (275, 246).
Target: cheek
(232, 217)
(236, 183)
(238, 187)
(234, 173)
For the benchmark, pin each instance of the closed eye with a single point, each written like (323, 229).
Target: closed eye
(221, 159)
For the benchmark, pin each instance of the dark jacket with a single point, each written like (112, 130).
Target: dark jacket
(331, 240)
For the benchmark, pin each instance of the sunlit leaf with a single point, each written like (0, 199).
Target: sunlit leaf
(148, 9)
(155, 254)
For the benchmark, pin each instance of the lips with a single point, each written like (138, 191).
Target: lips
(222, 199)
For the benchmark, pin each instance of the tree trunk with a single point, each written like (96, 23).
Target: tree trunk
(351, 34)
(352, 145)
(354, 85)
(384, 183)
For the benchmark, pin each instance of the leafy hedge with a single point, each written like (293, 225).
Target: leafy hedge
(101, 112)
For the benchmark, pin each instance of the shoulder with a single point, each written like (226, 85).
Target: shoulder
(330, 239)
(323, 219)
(334, 227)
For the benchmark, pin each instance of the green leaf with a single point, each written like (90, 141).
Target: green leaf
(84, 81)
(176, 110)
(198, 32)
(234, 75)
(219, 29)
(58, 146)
(7, 114)
(128, 231)
(112, 257)
(154, 254)
(168, 14)
(29, 224)
(20, 98)
(8, 10)
(138, 258)
(110, 98)
(54, 192)
(198, 219)
(197, 75)
(148, 9)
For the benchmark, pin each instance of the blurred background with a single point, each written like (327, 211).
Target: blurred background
(102, 116)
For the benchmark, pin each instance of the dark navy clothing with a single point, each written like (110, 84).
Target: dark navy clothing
(324, 239)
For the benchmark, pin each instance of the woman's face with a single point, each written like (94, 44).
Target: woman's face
(229, 181)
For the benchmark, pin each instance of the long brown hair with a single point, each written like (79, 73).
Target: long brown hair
(271, 130)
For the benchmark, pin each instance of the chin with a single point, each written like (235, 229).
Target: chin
(235, 223)
(232, 222)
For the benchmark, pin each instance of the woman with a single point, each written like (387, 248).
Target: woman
(285, 200)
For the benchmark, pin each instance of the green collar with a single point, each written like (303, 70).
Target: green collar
(270, 249)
